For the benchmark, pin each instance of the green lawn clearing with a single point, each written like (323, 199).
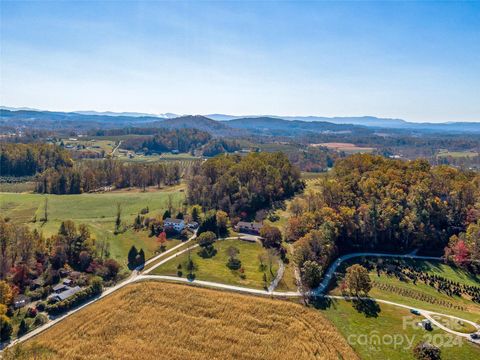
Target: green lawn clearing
(215, 268)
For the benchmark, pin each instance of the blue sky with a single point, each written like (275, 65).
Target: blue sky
(415, 60)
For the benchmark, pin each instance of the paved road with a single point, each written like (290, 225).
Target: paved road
(278, 277)
(216, 285)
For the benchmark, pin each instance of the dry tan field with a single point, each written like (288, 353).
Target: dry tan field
(348, 148)
(153, 320)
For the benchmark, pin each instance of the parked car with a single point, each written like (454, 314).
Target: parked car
(415, 312)
(475, 336)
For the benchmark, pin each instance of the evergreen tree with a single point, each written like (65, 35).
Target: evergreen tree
(132, 257)
(195, 214)
(141, 258)
(166, 214)
(23, 328)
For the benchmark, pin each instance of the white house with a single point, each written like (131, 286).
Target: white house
(177, 224)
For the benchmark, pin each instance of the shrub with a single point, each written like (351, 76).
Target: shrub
(426, 351)
(179, 273)
(41, 306)
(206, 239)
(82, 296)
(207, 252)
(31, 312)
(40, 319)
(234, 264)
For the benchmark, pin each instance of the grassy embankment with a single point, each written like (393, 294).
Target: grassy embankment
(396, 328)
(98, 211)
(215, 269)
(167, 321)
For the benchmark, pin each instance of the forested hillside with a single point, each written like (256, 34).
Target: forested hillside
(183, 140)
(238, 184)
(373, 203)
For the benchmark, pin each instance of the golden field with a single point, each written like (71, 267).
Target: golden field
(153, 320)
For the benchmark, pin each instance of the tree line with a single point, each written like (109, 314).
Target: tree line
(90, 176)
(29, 159)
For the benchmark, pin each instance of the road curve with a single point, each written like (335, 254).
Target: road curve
(327, 277)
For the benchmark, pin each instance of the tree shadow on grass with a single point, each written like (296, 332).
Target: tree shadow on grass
(368, 307)
(321, 302)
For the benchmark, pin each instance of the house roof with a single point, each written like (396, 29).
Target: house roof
(67, 293)
(174, 221)
(250, 225)
(20, 298)
(59, 287)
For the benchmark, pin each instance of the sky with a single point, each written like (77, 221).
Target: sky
(418, 61)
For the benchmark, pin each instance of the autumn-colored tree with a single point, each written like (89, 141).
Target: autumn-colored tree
(311, 273)
(6, 293)
(162, 240)
(222, 222)
(357, 280)
(206, 238)
(271, 236)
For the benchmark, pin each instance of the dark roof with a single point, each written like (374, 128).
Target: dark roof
(175, 221)
(59, 287)
(250, 225)
(19, 298)
(67, 293)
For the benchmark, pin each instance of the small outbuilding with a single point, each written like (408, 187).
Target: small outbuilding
(20, 301)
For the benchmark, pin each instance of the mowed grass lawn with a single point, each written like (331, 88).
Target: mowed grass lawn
(154, 320)
(215, 268)
(373, 336)
(98, 211)
(421, 295)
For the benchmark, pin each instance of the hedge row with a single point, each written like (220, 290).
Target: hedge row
(75, 300)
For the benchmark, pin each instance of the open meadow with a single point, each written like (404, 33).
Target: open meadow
(98, 211)
(153, 320)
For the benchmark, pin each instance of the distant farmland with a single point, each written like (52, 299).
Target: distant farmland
(167, 321)
(347, 148)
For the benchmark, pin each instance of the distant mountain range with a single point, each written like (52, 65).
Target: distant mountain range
(222, 124)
